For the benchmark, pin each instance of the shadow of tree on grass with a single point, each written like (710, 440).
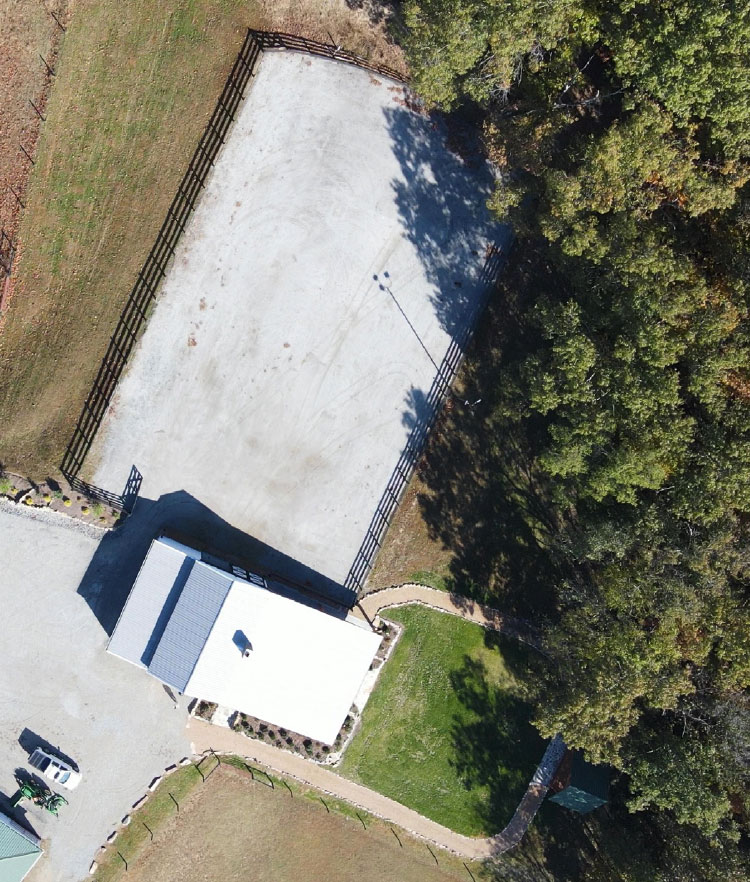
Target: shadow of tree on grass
(497, 748)
(482, 496)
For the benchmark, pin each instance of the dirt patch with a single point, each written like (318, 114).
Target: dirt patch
(359, 26)
(232, 828)
(29, 40)
(411, 551)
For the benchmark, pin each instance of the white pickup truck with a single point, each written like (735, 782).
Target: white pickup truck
(55, 769)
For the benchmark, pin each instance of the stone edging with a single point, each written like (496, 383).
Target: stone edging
(155, 782)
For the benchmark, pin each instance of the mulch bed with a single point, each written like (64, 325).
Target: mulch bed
(58, 496)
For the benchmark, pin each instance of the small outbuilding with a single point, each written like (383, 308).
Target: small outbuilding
(250, 644)
(580, 785)
(19, 850)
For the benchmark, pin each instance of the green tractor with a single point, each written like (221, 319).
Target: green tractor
(39, 794)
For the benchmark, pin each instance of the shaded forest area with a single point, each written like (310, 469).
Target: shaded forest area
(605, 490)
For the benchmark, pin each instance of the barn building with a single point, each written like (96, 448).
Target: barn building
(222, 634)
(19, 850)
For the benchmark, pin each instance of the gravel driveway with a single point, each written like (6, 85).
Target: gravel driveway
(59, 687)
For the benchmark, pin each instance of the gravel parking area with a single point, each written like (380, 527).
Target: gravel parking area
(60, 688)
(337, 250)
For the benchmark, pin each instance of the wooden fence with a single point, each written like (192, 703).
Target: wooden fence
(278, 40)
(136, 310)
(439, 391)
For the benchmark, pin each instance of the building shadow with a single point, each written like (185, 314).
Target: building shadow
(17, 814)
(110, 575)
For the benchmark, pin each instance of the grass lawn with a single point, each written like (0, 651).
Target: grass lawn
(446, 731)
(234, 828)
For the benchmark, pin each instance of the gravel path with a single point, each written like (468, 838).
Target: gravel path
(372, 604)
(203, 736)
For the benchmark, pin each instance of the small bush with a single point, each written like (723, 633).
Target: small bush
(58, 494)
(5, 487)
(47, 498)
(98, 510)
(326, 748)
(67, 502)
(289, 740)
(84, 509)
(205, 710)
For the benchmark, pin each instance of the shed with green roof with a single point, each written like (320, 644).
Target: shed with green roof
(19, 850)
(580, 785)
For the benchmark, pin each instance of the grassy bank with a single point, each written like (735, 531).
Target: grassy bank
(446, 731)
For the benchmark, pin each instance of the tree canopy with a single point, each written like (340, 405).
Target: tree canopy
(622, 134)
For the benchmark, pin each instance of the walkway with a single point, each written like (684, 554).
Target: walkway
(370, 605)
(205, 737)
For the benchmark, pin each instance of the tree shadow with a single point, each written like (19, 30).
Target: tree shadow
(498, 749)
(110, 575)
(441, 198)
(481, 494)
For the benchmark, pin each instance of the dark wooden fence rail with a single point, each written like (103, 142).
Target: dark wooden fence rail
(278, 40)
(439, 391)
(7, 252)
(142, 296)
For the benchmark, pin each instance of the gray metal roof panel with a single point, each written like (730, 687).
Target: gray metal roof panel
(154, 594)
(188, 628)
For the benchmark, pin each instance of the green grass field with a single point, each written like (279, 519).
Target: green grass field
(446, 731)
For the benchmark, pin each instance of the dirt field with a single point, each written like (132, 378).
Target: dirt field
(27, 30)
(409, 552)
(136, 82)
(233, 829)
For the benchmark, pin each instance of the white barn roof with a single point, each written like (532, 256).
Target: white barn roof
(187, 622)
